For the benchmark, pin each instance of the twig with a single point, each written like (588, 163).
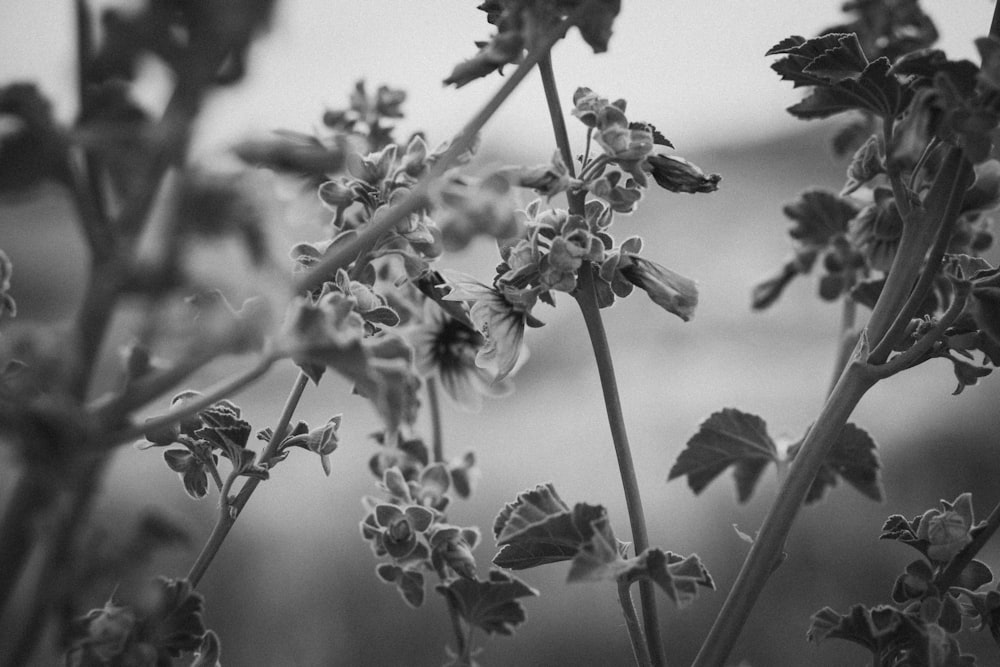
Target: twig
(767, 548)
(948, 577)
(229, 511)
(341, 256)
(213, 395)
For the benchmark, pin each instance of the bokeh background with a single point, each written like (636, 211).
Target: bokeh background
(295, 583)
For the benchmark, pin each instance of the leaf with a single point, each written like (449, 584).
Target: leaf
(409, 582)
(819, 216)
(853, 457)
(595, 24)
(550, 539)
(677, 576)
(727, 438)
(865, 165)
(529, 507)
(491, 605)
(842, 77)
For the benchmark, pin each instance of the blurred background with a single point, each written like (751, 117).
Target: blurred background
(295, 584)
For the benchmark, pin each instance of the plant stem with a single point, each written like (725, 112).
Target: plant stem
(437, 442)
(419, 197)
(213, 395)
(848, 336)
(586, 297)
(54, 580)
(766, 551)
(228, 512)
(32, 495)
(639, 649)
(899, 191)
(941, 206)
(915, 354)
(949, 576)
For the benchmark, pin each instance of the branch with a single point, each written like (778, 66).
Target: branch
(229, 511)
(213, 395)
(586, 298)
(341, 256)
(767, 548)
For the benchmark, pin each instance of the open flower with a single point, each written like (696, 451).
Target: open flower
(499, 316)
(446, 348)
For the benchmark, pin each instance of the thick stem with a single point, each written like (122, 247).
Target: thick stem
(766, 551)
(53, 581)
(229, 511)
(941, 208)
(31, 496)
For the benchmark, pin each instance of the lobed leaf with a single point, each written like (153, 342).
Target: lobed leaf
(853, 458)
(491, 605)
(727, 438)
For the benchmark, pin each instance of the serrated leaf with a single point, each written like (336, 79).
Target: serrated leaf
(843, 78)
(853, 457)
(599, 557)
(491, 605)
(799, 52)
(846, 60)
(530, 507)
(876, 90)
(869, 628)
(551, 539)
(727, 438)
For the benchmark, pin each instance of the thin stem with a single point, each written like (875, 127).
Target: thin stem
(555, 111)
(949, 576)
(929, 149)
(639, 649)
(915, 354)
(111, 408)
(586, 297)
(213, 395)
(419, 197)
(899, 192)
(461, 644)
(231, 510)
(848, 336)
(767, 548)
(437, 441)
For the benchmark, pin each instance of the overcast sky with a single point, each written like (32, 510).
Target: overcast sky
(695, 69)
